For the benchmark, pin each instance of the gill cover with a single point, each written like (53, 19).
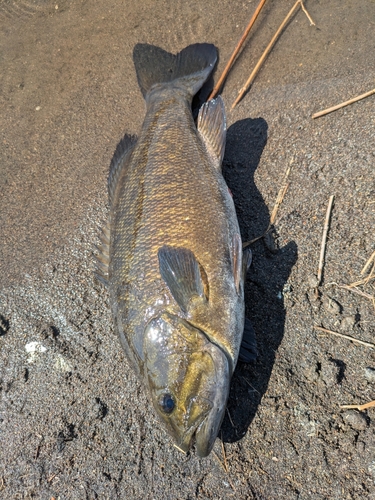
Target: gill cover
(188, 379)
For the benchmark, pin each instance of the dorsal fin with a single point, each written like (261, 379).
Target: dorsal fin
(213, 129)
(182, 273)
(122, 152)
(102, 255)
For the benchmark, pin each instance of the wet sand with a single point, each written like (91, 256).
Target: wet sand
(74, 422)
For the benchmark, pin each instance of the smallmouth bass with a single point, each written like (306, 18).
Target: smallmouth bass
(171, 253)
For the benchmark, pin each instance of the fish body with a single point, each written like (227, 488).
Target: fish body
(171, 253)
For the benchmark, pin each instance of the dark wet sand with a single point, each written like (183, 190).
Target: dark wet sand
(74, 422)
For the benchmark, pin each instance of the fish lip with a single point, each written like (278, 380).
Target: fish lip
(189, 436)
(197, 435)
(205, 440)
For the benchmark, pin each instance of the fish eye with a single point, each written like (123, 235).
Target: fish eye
(167, 403)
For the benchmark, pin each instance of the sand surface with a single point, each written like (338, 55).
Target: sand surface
(74, 421)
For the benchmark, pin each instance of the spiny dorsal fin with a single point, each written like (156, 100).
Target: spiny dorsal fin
(213, 129)
(182, 273)
(122, 152)
(102, 256)
(191, 67)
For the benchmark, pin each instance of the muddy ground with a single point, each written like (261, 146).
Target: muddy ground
(74, 421)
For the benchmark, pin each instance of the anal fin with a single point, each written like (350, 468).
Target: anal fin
(213, 129)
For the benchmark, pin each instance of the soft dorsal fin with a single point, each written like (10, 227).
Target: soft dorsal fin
(182, 273)
(102, 255)
(122, 152)
(213, 129)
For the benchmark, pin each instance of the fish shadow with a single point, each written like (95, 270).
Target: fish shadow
(266, 278)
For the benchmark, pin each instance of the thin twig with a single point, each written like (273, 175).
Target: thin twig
(280, 197)
(236, 51)
(324, 240)
(230, 418)
(364, 281)
(355, 290)
(278, 202)
(368, 263)
(224, 454)
(266, 52)
(307, 14)
(248, 383)
(371, 404)
(348, 337)
(343, 104)
(52, 477)
(220, 462)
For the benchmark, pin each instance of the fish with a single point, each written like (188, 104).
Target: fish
(171, 252)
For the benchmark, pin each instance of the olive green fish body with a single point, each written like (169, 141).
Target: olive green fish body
(172, 253)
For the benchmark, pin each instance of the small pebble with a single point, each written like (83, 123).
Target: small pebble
(38, 108)
(329, 374)
(347, 323)
(312, 281)
(333, 307)
(370, 374)
(356, 420)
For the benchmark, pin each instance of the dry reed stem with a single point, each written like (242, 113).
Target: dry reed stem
(366, 280)
(324, 240)
(230, 418)
(224, 74)
(280, 197)
(218, 459)
(368, 263)
(307, 14)
(343, 104)
(268, 50)
(278, 202)
(348, 337)
(371, 404)
(353, 289)
(224, 454)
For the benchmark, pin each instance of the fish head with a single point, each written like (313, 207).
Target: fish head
(188, 379)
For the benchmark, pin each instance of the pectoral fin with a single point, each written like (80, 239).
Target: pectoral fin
(183, 275)
(247, 258)
(248, 350)
(237, 260)
(213, 129)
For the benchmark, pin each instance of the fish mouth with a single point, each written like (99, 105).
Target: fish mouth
(189, 437)
(202, 434)
(198, 438)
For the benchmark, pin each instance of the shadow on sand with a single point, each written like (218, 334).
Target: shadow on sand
(269, 271)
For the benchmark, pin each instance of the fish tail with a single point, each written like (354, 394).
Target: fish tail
(190, 67)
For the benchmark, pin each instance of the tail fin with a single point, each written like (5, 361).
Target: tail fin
(191, 67)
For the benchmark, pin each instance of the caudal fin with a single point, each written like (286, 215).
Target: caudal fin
(190, 67)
